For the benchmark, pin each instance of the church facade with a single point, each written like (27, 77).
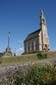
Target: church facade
(37, 40)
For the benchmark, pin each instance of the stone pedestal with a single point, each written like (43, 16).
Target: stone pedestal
(8, 52)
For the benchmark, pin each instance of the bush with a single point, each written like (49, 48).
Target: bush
(0, 62)
(16, 79)
(36, 75)
(42, 55)
(41, 75)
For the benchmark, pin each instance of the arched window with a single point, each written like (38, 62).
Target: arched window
(46, 45)
(34, 45)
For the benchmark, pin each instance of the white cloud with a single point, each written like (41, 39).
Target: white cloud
(20, 41)
(20, 48)
(19, 51)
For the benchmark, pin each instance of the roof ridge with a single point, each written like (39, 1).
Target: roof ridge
(31, 35)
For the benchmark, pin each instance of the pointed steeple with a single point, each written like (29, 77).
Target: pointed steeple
(41, 12)
(42, 17)
(44, 33)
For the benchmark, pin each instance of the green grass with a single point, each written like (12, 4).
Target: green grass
(16, 59)
(24, 58)
(51, 54)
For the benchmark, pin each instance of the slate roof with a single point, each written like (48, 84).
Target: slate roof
(32, 35)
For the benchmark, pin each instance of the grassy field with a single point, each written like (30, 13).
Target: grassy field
(16, 59)
(24, 58)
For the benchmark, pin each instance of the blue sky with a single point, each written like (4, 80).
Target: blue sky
(21, 17)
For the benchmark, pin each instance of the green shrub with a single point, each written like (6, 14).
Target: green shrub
(0, 62)
(41, 75)
(16, 79)
(41, 55)
(36, 75)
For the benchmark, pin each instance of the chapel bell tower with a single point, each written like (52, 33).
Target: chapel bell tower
(44, 33)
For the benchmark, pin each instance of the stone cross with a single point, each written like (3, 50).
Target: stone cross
(8, 39)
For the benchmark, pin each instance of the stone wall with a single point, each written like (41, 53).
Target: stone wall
(31, 45)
